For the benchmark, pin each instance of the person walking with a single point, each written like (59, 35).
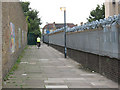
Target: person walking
(38, 42)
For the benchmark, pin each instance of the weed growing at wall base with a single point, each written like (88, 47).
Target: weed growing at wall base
(15, 67)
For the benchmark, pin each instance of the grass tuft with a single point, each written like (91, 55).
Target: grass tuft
(15, 67)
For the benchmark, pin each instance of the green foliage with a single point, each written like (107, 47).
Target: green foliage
(25, 6)
(32, 19)
(36, 32)
(97, 14)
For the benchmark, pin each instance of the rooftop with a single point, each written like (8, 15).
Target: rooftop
(57, 25)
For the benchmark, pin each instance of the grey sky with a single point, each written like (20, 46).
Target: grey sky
(76, 10)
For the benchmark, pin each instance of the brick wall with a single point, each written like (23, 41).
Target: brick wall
(0, 45)
(104, 65)
(14, 34)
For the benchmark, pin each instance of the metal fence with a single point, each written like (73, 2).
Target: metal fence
(99, 37)
(103, 42)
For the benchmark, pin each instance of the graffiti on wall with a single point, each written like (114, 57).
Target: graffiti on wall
(19, 37)
(23, 37)
(12, 38)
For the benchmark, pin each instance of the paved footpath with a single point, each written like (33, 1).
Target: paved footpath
(47, 68)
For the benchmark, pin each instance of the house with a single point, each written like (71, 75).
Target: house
(53, 26)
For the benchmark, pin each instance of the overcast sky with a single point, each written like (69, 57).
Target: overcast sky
(76, 10)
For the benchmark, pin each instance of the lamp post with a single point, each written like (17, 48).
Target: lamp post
(48, 32)
(65, 48)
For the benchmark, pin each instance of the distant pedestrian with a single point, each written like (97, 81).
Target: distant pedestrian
(38, 42)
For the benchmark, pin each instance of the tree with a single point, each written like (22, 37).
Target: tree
(97, 14)
(25, 6)
(32, 19)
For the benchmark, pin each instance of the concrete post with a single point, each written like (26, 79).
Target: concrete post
(112, 8)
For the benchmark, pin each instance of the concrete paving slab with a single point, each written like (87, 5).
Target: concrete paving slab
(75, 79)
(57, 79)
(47, 68)
(56, 86)
(83, 87)
(53, 81)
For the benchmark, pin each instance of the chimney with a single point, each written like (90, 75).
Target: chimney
(81, 23)
(54, 23)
